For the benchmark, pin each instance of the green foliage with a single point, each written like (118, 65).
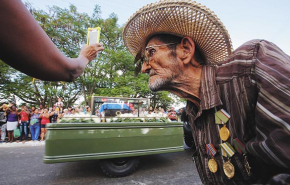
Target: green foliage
(34, 92)
(141, 120)
(127, 120)
(74, 120)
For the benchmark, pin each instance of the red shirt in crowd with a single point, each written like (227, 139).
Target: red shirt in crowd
(24, 116)
(44, 120)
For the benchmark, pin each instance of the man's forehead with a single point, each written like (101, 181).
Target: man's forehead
(153, 41)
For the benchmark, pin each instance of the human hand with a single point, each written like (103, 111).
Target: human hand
(91, 51)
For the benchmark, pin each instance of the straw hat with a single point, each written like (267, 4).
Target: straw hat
(181, 18)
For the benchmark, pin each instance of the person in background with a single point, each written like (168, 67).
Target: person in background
(12, 122)
(85, 109)
(57, 109)
(179, 114)
(65, 113)
(40, 108)
(77, 110)
(24, 123)
(44, 120)
(54, 115)
(3, 122)
(73, 112)
(50, 110)
(143, 112)
(81, 110)
(161, 112)
(32, 110)
(35, 124)
(97, 112)
(102, 115)
(22, 39)
(172, 114)
(88, 110)
(150, 112)
(59, 104)
(69, 109)
(134, 111)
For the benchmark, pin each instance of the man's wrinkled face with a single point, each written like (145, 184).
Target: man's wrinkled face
(163, 68)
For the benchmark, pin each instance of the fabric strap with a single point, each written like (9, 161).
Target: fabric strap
(211, 149)
(228, 149)
(239, 146)
(221, 117)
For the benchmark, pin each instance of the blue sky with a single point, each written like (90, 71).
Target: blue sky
(244, 19)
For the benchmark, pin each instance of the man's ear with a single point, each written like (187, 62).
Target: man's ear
(186, 50)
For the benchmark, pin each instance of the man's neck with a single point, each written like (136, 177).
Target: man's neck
(188, 85)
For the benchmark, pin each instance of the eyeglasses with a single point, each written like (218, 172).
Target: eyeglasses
(150, 51)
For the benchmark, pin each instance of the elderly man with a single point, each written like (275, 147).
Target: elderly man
(65, 113)
(238, 102)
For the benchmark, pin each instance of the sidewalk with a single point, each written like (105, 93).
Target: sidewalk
(20, 144)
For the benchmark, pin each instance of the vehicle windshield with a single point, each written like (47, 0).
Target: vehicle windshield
(119, 106)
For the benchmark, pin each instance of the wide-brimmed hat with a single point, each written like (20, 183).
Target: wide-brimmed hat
(180, 18)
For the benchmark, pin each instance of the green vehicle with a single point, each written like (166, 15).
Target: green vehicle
(117, 136)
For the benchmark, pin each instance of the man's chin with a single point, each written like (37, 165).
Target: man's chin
(153, 89)
(157, 85)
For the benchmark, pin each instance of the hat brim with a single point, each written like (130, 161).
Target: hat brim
(181, 18)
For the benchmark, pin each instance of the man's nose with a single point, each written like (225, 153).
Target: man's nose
(145, 68)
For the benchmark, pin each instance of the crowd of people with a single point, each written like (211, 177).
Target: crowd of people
(32, 120)
(160, 112)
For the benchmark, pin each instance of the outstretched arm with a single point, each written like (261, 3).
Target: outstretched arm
(26, 47)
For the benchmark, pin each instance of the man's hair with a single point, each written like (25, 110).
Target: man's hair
(167, 38)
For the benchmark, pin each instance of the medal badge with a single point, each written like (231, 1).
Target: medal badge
(240, 147)
(247, 165)
(228, 151)
(221, 117)
(229, 169)
(224, 133)
(212, 164)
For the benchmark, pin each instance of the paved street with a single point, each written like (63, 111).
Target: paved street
(22, 164)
